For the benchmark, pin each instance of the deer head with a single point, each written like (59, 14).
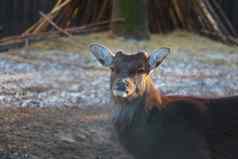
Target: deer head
(129, 73)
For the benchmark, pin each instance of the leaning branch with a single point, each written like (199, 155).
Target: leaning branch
(55, 25)
(14, 42)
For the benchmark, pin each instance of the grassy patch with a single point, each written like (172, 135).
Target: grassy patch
(193, 43)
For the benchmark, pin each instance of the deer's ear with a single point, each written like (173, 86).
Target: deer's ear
(102, 54)
(157, 57)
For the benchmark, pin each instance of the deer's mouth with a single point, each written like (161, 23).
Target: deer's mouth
(119, 93)
(123, 93)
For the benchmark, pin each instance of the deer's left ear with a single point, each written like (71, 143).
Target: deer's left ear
(103, 54)
(157, 57)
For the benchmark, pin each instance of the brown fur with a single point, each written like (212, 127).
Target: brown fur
(213, 122)
(155, 99)
(155, 126)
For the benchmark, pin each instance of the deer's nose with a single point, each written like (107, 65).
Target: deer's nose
(122, 85)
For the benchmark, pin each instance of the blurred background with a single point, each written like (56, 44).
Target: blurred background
(215, 18)
(30, 20)
(54, 96)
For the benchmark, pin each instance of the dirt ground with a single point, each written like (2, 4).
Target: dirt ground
(55, 101)
(50, 133)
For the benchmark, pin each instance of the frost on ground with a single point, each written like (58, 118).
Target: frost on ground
(56, 78)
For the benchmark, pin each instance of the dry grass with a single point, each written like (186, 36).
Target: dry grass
(175, 40)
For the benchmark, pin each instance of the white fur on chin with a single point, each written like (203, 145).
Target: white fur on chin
(120, 93)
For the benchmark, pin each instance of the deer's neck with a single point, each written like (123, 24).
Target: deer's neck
(152, 96)
(124, 113)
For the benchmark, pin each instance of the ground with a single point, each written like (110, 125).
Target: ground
(67, 132)
(55, 101)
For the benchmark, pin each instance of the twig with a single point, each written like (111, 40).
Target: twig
(19, 41)
(41, 24)
(71, 30)
(57, 8)
(224, 18)
(92, 25)
(218, 36)
(55, 25)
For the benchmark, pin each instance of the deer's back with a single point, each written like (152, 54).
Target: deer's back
(184, 128)
(223, 135)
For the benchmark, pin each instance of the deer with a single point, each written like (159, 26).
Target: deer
(153, 125)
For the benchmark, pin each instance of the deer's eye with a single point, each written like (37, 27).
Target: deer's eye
(140, 70)
(113, 69)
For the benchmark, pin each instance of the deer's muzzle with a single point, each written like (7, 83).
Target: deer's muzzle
(123, 88)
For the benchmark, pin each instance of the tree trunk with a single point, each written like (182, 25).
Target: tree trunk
(133, 14)
(234, 13)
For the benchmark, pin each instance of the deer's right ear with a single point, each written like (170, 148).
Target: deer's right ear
(157, 57)
(102, 53)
